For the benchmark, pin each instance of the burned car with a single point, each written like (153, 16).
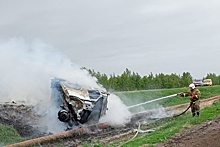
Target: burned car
(78, 105)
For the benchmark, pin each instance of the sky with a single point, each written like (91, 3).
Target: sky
(109, 36)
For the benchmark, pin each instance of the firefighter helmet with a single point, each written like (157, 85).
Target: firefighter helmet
(192, 86)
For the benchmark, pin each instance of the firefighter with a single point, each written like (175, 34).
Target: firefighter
(195, 96)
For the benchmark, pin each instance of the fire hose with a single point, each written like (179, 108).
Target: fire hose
(138, 130)
(173, 95)
(135, 135)
(183, 111)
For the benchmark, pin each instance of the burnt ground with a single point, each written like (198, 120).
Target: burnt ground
(23, 118)
(204, 135)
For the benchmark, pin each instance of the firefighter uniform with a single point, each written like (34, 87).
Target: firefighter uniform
(195, 96)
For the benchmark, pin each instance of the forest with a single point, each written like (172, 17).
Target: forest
(130, 80)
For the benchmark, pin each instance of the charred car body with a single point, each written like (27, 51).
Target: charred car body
(78, 105)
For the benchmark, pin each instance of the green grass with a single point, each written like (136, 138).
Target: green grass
(135, 97)
(169, 126)
(166, 128)
(174, 126)
(8, 135)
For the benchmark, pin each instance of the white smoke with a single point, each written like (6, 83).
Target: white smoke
(26, 70)
(148, 110)
(157, 111)
(117, 113)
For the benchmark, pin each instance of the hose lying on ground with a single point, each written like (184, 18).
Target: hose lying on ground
(183, 111)
(139, 126)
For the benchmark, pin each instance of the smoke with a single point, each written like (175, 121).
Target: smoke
(157, 111)
(117, 113)
(27, 68)
(145, 111)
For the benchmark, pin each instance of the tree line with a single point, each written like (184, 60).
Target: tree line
(129, 80)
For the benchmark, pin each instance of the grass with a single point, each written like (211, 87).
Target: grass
(135, 97)
(174, 126)
(8, 135)
(168, 127)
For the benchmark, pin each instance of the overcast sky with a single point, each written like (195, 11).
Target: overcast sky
(110, 35)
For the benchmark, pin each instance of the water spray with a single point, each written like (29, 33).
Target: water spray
(169, 96)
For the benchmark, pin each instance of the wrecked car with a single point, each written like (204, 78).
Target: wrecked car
(78, 105)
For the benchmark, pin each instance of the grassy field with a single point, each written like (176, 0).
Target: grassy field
(135, 97)
(173, 126)
(170, 126)
(167, 128)
(8, 135)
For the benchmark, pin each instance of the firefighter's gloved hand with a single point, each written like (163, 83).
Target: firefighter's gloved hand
(191, 98)
(194, 98)
(181, 94)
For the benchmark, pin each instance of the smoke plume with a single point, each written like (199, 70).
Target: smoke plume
(118, 113)
(27, 68)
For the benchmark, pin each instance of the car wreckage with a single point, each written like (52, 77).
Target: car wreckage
(78, 105)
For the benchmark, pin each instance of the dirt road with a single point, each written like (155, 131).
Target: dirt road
(204, 135)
